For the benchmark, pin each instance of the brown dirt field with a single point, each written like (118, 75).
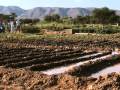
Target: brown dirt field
(20, 79)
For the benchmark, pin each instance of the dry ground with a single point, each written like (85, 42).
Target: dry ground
(20, 79)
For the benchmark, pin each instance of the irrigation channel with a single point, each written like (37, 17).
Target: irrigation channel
(110, 69)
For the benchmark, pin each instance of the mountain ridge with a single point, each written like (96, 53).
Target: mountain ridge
(41, 12)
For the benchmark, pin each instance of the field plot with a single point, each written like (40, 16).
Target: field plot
(37, 59)
(37, 64)
(23, 60)
(46, 59)
(50, 54)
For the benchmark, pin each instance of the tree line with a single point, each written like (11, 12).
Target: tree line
(13, 16)
(99, 16)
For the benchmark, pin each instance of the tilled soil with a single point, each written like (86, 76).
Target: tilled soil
(43, 59)
(28, 58)
(87, 69)
(20, 79)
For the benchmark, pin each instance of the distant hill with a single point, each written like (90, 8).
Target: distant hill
(11, 9)
(41, 12)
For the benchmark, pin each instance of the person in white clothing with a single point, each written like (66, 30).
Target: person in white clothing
(12, 26)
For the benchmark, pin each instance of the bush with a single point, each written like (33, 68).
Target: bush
(109, 30)
(75, 30)
(99, 30)
(88, 30)
(30, 29)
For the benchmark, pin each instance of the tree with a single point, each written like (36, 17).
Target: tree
(82, 19)
(4, 17)
(34, 21)
(13, 15)
(50, 18)
(114, 19)
(55, 17)
(103, 15)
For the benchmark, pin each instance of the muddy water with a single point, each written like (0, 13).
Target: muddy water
(108, 70)
(63, 69)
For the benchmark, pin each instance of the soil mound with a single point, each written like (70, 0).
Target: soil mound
(20, 79)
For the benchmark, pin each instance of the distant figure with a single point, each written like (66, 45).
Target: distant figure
(18, 25)
(12, 26)
(8, 26)
(2, 29)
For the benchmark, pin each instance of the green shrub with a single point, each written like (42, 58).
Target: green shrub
(30, 29)
(75, 30)
(99, 30)
(109, 30)
(85, 30)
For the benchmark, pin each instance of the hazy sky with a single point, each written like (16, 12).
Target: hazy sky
(28, 4)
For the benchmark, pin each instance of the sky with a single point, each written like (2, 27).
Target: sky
(29, 4)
